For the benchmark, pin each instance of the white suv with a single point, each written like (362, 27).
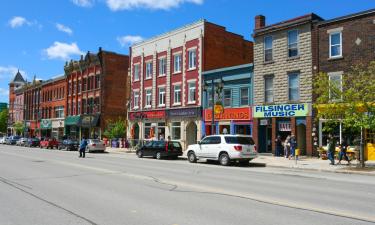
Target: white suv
(224, 148)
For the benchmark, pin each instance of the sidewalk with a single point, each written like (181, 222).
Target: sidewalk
(304, 163)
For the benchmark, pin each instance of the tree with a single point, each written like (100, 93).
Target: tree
(350, 100)
(116, 129)
(19, 127)
(3, 120)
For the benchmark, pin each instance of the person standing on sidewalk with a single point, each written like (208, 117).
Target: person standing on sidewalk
(343, 149)
(286, 146)
(293, 146)
(279, 146)
(331, 149)
(82, 147)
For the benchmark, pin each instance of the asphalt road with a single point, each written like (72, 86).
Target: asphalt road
(56, 187)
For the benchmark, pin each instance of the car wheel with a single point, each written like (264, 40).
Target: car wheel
(139, 154)
(224, 159)
(158, 155)
(191, 157)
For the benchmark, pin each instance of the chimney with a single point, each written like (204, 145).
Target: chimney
(260, 21)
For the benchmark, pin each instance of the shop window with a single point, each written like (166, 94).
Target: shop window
(268, 44)
(161, 131)
(176, 130)
(244, 96)
(293, 80)
(147, 134)
(243, 129)
(293, 43)
(227, 97)
(268, 89)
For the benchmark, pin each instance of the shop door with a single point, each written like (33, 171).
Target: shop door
(301, 138)
(264, 139)
(191, 134)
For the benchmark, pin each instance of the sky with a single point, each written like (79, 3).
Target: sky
(39, 36)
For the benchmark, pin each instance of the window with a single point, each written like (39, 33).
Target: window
(244, 95)
(268, 89)
(176, 130)
(293, 85)
(335, 43)
(162, 66)
(227, 97)
(177, 94)
(177, 63)
(74, 90)
(79, 108)
(191, 96)
(84, 106)
(268, 49)
(293, 43)
(162, 96)
(211, 140)
(148, 98)
(335, 86)
(209, 97)
(136, 99)
(148, 70)
(69, 85)
(136, 72)
(88, 83)
(192, 59)
(147, 131)
(79, 86)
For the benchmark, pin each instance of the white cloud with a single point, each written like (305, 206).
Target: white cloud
(64, 28)
(19, 21)
(62, 51)
(84, 3)
(129, 40)
(8, 72)
(116, 5)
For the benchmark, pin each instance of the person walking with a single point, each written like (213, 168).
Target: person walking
(343, 149)
(286, 146)
(279, 146)
(331, 149)
(293, 146)
(82, 147)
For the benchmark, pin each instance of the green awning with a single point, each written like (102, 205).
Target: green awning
(72, 120)
(90, 120)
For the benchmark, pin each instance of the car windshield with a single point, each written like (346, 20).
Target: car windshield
(239, 140)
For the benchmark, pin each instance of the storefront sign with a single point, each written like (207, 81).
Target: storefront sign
(188, 112)
(285, 126)
(89, 120)
(147, 115)
(45, 124)
(229, 114)
(285, 110)
(57, 123)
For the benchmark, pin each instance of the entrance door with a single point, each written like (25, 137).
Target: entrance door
(191, 134)
(265, 139)
(136, 131)
(301, 138)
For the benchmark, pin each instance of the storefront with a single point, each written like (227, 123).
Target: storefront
(230, 121)
(72, 124)
(89, 125)
(46, 128)
(58, 128)
(283, 120)
(148, 125)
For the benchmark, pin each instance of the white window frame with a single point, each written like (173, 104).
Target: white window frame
(148, 98)
(148, 70)
(179, 62)
(175, 92)
(190, 101)
(330, 44)
(136, 99)
(230, 98)
(162, 66)
(265, 49)
(192, 60)
(136, 72)
(248, 98)
(162, 96)
(270, 89)
(289, 44)
(335, 74)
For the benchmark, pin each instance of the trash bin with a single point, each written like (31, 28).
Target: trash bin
(297, 152)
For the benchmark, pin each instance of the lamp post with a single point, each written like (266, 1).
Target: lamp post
(219, 87)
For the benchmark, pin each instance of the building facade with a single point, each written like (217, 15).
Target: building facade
(33, 113)
(283, 82)
(96, 93)
(15, 102)
(166, 73)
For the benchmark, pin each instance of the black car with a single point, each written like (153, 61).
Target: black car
(160, 149)
(68, 145)
(32, 142)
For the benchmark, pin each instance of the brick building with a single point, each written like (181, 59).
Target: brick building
(52, 107)
(96, 93)
(283, 81)
(32, 102)
(343, 42)
(166, 74)
(16, 104)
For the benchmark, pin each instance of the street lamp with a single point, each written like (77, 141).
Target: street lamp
(219, 87)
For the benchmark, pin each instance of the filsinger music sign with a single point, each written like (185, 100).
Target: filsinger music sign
(283, 110)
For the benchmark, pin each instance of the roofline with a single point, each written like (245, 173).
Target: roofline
(180, 29)
(209, 72)
(350, 16)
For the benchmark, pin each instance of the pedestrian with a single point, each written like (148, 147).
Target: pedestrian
(225, 130)
(343, 149)
(279, 146)
(169, 138)
(82, 147)
(331, 148)
(293, 146)
(286, 146)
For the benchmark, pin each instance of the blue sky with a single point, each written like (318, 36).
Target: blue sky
(38, 36)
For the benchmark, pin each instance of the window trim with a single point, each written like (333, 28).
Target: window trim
(195, 90)
(146, 64)
(194, 49)
(146, 90)
(174, 94)
(162, 58)
(136, 93)
(180, 63)
(231, 95)
(330, 45)
(248, 97)
(298, 50)
(137, 65)
(264, 49)
(164, 99)
(298, 86)
(265, 90)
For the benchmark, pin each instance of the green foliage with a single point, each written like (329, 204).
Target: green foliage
(116, 129)
(3, 120)
(19, 127)
(353, 102)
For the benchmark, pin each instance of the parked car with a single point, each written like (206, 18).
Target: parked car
(68, 145)
(223, 148)
(21, 142)
(3, 140)
(12, 140)
(160, 149)
(95, 145)
(49, 143)
(32, 142)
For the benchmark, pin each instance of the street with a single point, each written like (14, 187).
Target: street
(40, 186)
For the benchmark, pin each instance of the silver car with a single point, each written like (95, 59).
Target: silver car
(21, 142)
(95, 145)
